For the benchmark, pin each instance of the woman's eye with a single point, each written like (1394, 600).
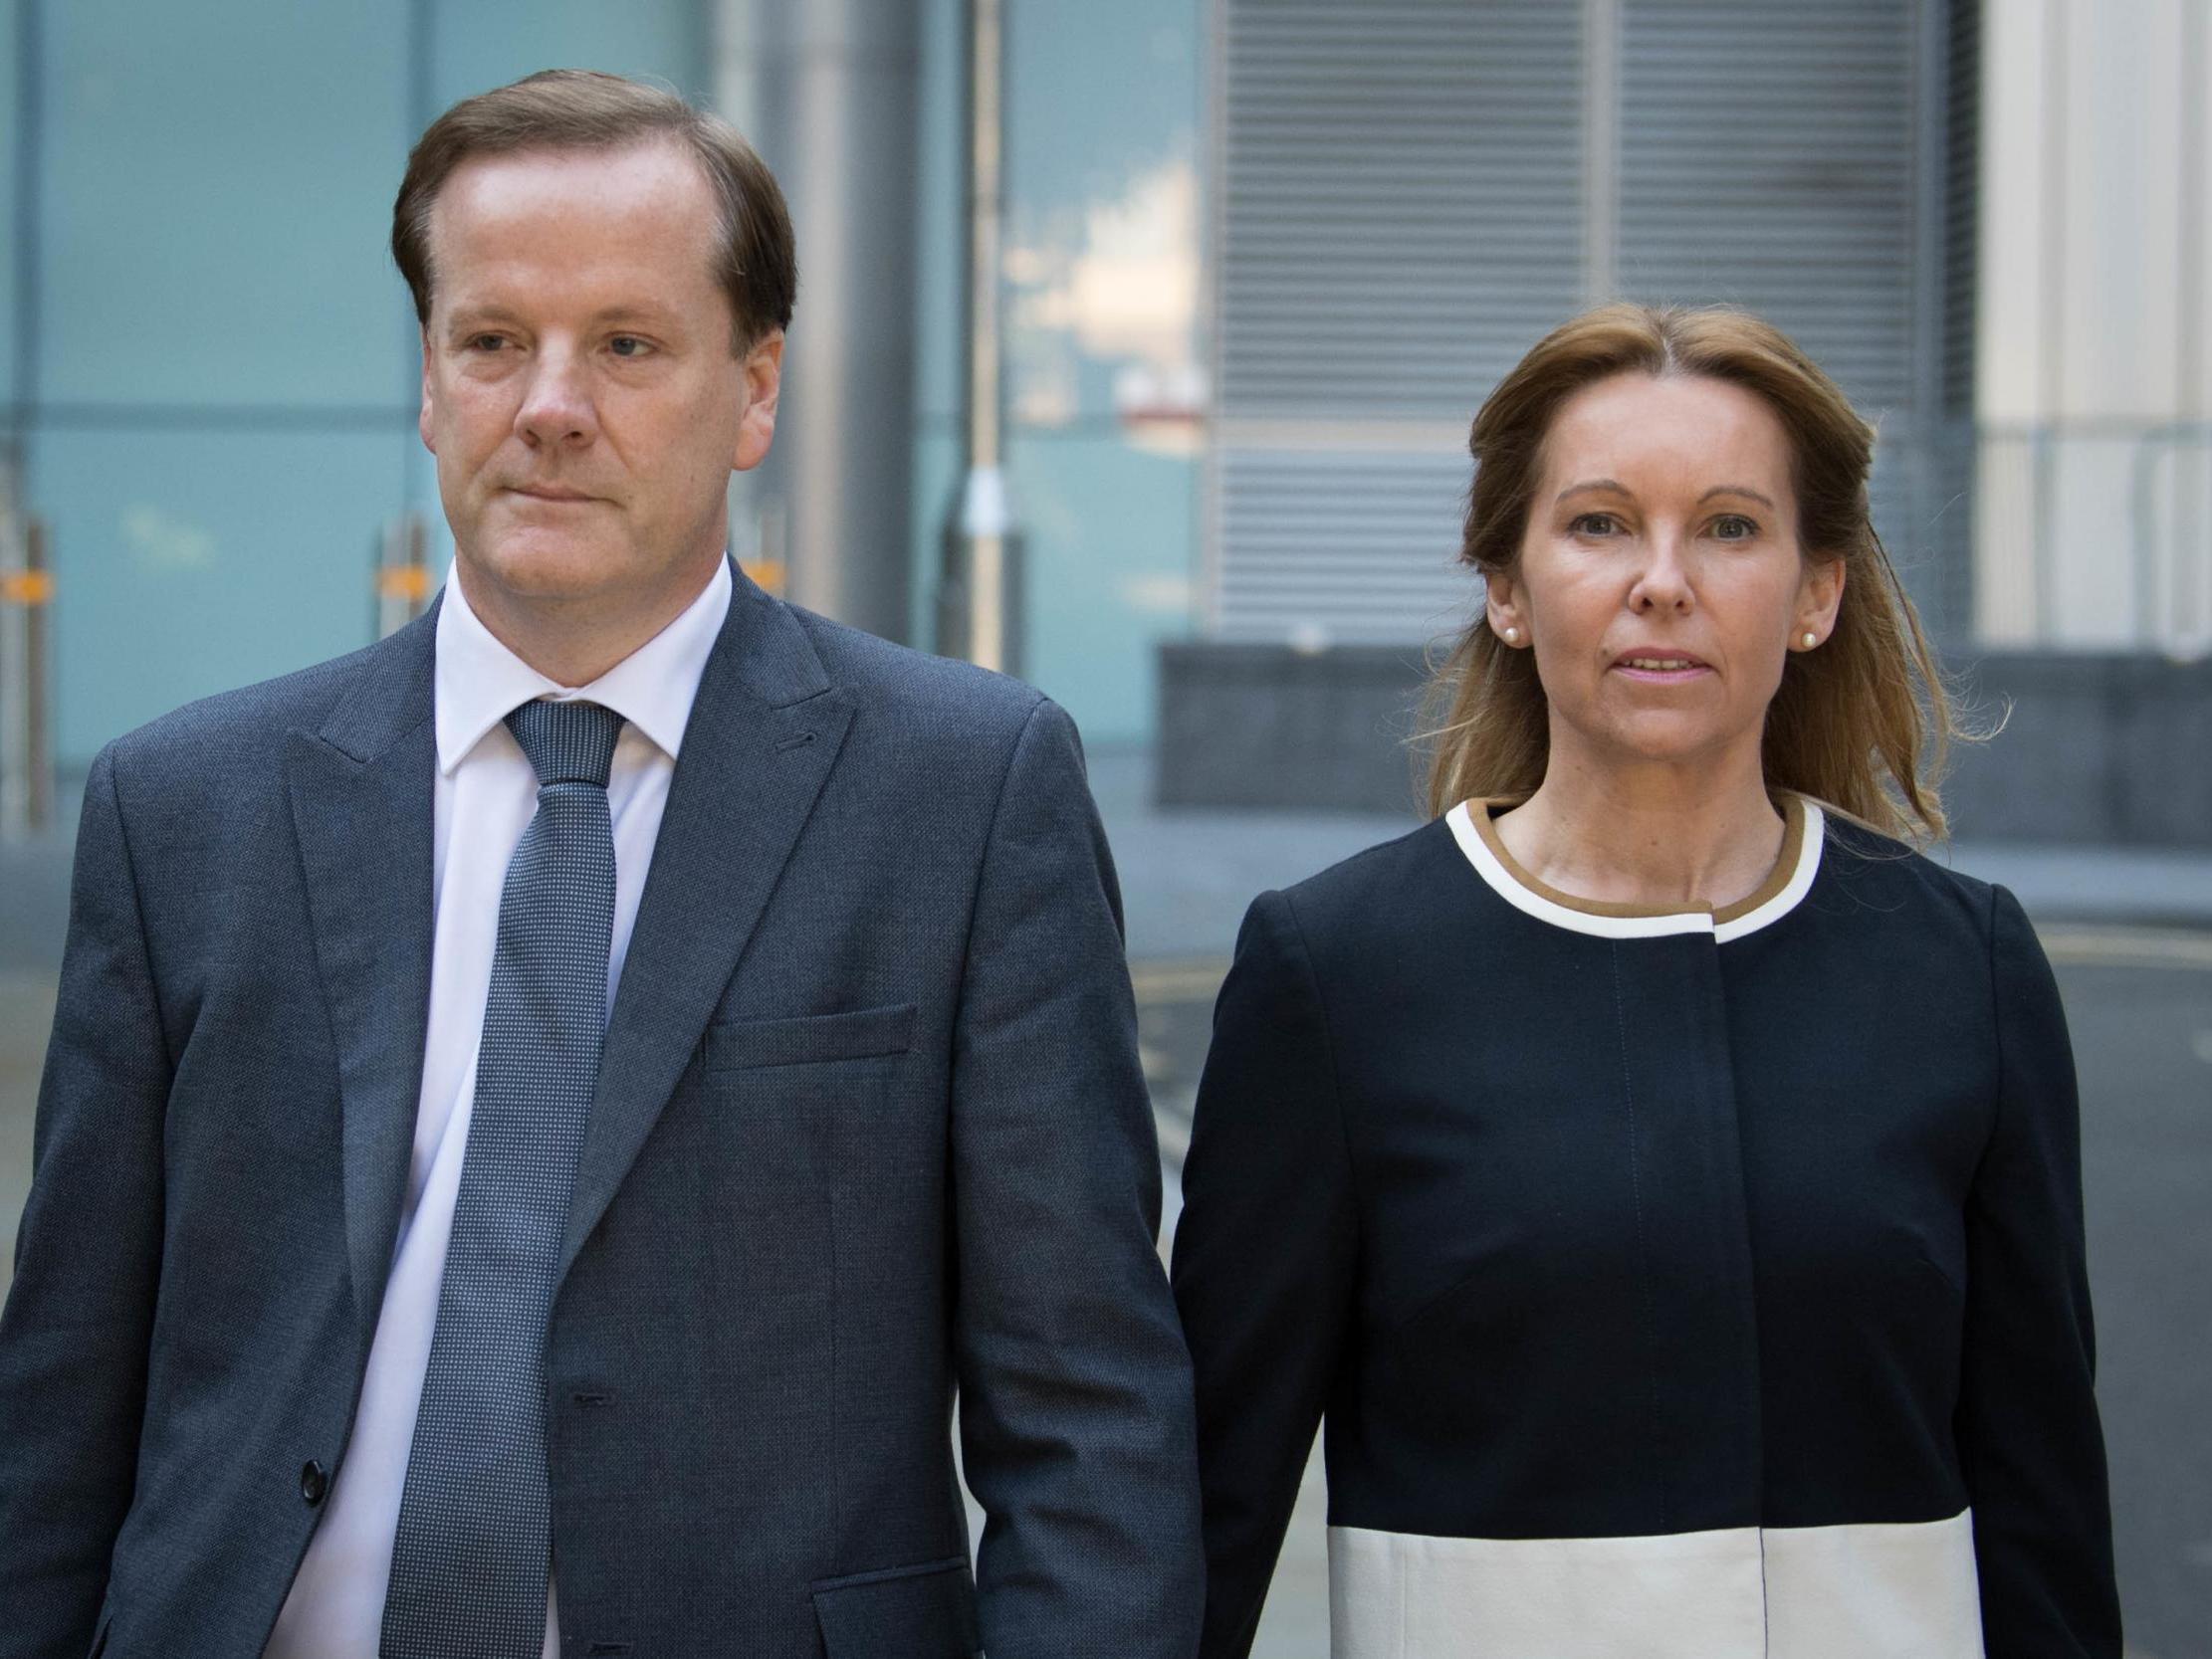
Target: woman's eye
(1734, 527)
(1594, 524)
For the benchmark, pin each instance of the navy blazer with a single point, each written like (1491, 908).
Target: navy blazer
(870, 1129)
(1706, 1284)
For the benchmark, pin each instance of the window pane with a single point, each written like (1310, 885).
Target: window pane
(1108, 533)
(217, 193)
(188, 562)
(10, 135)
(1103, 212)
(481, 44)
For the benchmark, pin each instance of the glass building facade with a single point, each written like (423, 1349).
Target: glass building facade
(1103, 306)
(208, 374)
(1262, 260)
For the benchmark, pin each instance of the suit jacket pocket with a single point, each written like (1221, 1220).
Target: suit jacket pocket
(856, 1034)
(905, 1612)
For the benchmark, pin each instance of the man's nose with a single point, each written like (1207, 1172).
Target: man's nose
(556, 405)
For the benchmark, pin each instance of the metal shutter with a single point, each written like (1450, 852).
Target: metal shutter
(1399, 216)
(1767, 160)
(1962, 159)
(1401, 212)
(1952, 609)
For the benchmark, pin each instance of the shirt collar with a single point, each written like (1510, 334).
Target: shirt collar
(479, 681)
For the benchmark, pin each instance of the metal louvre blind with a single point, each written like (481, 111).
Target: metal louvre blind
(1953, 423)
(1401, 202)
(1961, 204)
(1401, 215)
(1348, 548)
(1401, 212)
(1766, 160)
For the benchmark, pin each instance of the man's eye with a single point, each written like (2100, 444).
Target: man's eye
(627, 346)
(484, 343)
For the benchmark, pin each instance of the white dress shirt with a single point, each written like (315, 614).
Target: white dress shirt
(483, 799)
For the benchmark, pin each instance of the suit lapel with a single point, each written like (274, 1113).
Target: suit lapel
(765, 732)
(363, 807)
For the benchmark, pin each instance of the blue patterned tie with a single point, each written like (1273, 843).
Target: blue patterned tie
(471, 1555)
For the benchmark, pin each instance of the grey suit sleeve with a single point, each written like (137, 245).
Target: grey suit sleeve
(74, 1336)
(1075, 1387)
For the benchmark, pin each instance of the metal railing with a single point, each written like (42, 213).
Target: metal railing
(2095, 534)
(2172, 517)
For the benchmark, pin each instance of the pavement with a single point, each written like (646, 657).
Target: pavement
(2131, 934)
(1186, 876)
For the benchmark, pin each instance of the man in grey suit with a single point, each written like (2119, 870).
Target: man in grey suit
(545, 1113)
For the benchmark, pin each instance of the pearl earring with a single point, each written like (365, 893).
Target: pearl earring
(1512, 635)
(1811, 639)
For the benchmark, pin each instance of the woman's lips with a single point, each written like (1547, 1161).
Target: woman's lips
(1665, 668)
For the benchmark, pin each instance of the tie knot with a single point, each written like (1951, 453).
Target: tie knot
(568, 742)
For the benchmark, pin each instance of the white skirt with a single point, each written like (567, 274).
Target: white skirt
(1903, 1591)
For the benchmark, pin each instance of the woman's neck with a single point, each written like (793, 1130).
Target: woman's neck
(1658, 834)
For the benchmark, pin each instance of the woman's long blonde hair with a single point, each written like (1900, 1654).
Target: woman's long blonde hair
(1861, 723)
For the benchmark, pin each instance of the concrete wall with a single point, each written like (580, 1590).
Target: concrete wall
(2096, 749)
(2106, 748)
(2094, 359)
(1275, 726)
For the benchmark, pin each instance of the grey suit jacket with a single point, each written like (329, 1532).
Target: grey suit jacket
(870, 1129)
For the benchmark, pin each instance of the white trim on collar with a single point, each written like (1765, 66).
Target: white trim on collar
(1529, 903)
(1811, 839)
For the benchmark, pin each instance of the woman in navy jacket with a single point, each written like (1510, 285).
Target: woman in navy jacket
(1665, 1182)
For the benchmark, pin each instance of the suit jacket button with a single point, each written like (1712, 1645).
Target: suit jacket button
(313, 1483)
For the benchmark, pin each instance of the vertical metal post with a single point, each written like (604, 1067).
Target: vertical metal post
(38, 714)
(2043, 492)
(838, 90)
(1600, 150)
(26, 573)
(980, 597)
(26, 745)
(2052, 344)
(2142, 516)
(2192, 481)
(401, 578)
(1925, 549)
(29, 124)
(1206, 613)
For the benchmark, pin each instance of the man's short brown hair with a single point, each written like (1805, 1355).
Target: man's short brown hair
(573, 108)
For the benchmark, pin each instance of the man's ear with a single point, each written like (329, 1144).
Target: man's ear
(424, 422)
(764, 379)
